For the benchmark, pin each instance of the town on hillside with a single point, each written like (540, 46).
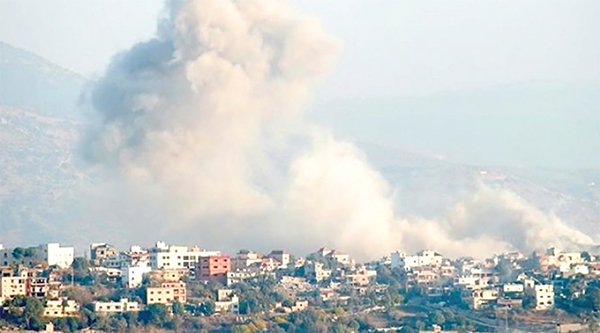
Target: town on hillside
(174, 288)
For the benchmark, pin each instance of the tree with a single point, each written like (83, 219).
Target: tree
(131, 318)
(155, 314)
(354, 325)
(207, 307)
(64, 305)
(439, 318)
(81, 264)
(593, 296)
(585, 255)
(178, 308)
(29, 252)
(33, 313)
(18, 253)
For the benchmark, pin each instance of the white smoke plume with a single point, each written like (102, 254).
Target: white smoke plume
(200, 138)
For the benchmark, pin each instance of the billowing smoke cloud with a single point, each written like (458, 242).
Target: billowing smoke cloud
(200, 139)
(492, 220)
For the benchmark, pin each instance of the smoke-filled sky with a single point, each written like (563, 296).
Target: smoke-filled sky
(522, 52)
(201, 127)
(205, 128)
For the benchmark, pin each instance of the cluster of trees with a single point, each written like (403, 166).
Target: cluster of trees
(26, 312)
(580, 296)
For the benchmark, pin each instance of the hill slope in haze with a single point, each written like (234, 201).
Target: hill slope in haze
(32, 82)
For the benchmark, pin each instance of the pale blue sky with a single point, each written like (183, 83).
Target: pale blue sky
(394, 49)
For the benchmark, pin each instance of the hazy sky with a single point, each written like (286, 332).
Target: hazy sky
(393, 48)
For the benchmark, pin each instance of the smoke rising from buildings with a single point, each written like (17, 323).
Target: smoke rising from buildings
(200, 137)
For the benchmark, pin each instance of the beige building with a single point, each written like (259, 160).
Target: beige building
(101, 251)
(362, 277)
(167, 293)
(11, 286)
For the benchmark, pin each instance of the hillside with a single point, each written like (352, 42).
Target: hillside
(32, 82)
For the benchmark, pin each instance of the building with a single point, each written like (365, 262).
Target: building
(227, 301)
(136, 256)
(299, 306)
(166, 275)
(240, 275)
(245, 258)
(133, 276)
(340, 257)
(481, 297)
(37, 287)
(283, 257)
(513, 288)
(123, 305)
(316, 272)
(423, 258)
(544, 296)
(267, 265)
(167, 293)
(62, 307)
(213, 268)
(177, 257)
(361, 278)
(11, 286)
(101, 251)
(54, 254)
(25, 282)
(179, 290)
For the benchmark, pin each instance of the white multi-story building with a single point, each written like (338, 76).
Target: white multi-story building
(122, 306)
(133, 276)
(544, 296)
(423, 258)
(177, 257)
(54, 254)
